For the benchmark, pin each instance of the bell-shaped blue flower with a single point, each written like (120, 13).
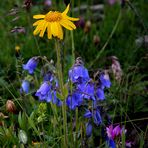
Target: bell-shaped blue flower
(56, 100)
(105, 81)
(110, 142)
(97, 117)
(31, 65)
(77, 72)
(74, 100)
(88, 114)
(25, 86)
(100, 94)
(88, 129)
(87, 90)
(44, 92)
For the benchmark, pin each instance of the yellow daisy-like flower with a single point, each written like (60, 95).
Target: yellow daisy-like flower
(53, 21)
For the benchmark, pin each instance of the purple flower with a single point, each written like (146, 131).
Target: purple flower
(77, 72)
(87, 90)
(25, 86)
(113, 132)
(88, 114)
(74, 100)
(100, 94)
(44, 92)
(110, 143)
(55, 100)
(111, 2)
(48, 77)
(88, 129)
(97, 117)
(31, 65)
(105, 81)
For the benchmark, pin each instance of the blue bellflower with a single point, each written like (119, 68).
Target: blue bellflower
(31, 65)
(88, 129)
(110, 143)
(25, 86)
(97, 117)
(100, 93)
(87, 90)
(77, 72)
(55, 100)
(105, 81)
(74, 100)
(44, 92)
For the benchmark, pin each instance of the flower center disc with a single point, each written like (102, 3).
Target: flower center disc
(53, 16)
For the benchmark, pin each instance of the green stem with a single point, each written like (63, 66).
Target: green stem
(110, 36)
(60, 78)
(73, 47)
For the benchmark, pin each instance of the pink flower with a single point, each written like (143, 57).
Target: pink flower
(111, 2)
(113, 132)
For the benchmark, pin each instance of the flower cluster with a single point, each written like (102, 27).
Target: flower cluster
(83, 91)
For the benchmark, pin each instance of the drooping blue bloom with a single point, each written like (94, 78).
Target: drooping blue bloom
(88, 129)
(97, 117)
(100, 94)
(105, 81)
(44, 92)
(48, 77)
(55, 100)
(87, 90)
(74, 100)
(77, 72)
(88, 114)
(31, 65)
(110, 143)
(25, 86)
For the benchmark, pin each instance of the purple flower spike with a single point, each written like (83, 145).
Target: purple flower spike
(25, 86)
(88, 129)
(44, 92)
(113, 132)
(31, 65)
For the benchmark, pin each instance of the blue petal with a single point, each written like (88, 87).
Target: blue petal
(25, 86)
(88, 129)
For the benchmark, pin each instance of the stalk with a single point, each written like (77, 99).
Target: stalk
(61, 85)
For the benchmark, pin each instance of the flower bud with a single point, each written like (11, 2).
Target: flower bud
(96, 39)
(116, 68)
(87, 26)
(10, 106)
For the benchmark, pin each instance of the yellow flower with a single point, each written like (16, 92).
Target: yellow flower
(53, 21)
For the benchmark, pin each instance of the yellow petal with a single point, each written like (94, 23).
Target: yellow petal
(38, 28)
(64, 24)
(60, 31)
(39, 16)
(37, 22)
(43, 29)
(66, 10)
(54, 29)
(71, 18)
(69, 23)
(49, 31)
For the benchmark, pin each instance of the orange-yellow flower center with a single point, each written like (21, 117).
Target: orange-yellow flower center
(53, 16)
